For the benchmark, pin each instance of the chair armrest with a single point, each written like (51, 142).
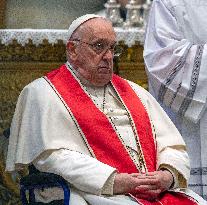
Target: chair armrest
(41, 179)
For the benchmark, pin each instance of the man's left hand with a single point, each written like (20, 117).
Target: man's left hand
(160, 181)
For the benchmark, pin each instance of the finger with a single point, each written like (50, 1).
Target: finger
(139, 175)
(146, 176)
(152, 173)
(135, 174)
(145, 181)
(150, 193)
(143, 188)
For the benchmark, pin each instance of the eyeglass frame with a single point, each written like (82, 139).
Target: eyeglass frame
(109, 47)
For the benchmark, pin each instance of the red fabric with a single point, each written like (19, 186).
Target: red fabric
(170, 198)
(94, 124)
(100, 134)
(138, 114)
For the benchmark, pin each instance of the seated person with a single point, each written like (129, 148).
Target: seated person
(106, 136)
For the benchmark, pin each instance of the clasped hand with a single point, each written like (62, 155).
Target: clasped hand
(144, 186)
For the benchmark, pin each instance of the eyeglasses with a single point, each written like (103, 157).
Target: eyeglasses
(100, 47)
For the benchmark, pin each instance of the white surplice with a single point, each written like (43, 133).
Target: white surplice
(175, 54)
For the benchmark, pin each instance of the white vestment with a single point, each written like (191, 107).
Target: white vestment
(43, 133)
(175, 54)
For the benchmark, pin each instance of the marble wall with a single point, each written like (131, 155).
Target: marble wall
(44, 14)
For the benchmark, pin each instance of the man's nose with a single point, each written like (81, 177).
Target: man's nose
(109, 54)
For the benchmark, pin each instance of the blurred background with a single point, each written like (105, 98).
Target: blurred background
(47, 14)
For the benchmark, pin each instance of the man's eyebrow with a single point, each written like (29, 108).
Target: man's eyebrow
(103, 40)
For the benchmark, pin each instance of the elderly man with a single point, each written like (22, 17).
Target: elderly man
(175, 54)
(106, 136)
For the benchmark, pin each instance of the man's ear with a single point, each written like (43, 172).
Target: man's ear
(71, 50)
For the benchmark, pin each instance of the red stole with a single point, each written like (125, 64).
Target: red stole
(99, 133)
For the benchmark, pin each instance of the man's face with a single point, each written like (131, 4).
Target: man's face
(95, 52)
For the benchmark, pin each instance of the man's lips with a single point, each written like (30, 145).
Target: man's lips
(104, 69)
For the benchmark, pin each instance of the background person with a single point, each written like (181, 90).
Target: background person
(175, 54)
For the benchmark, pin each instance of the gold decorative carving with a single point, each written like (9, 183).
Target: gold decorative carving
(44, 52)
(131, 64)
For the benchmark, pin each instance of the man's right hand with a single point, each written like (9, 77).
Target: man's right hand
(124, 183)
